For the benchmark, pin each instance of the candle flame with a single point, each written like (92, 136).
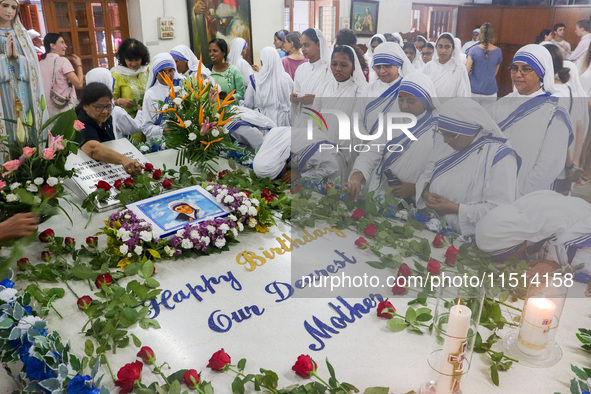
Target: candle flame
(459, 299)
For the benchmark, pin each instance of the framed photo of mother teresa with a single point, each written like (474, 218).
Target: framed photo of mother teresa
(364, 17)
(227, 19)
(170, 212)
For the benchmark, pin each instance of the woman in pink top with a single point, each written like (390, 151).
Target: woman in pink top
(57, 71)
(294, 58)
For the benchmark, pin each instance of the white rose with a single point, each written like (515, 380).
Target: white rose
(177, 100)
(232, 218)
(209, 187)
(247, 202)
(234, 232)
(180, 233)
(205, 240)
(220, 242)
(186, 244)
(138, 250)
(255, 202)
(211, 229)
(127, 216)
(215, 132)
(252, 222)
(194, 234)
(15, 185)
(27, 322)
(252, 211)
(170, 251)
(38, 181)
(229, 199)
(52, 181)
(176, 90)
(123, 234)
(240, 226)
(188, 123)
(32, 188)
(144, 148)
(219, 198)
(226, 130)
(146, 236)
(124, 249)
(224, 227)
(164, 107)
(243, 209)
(8, 295)
(11, 197)
(192, 136)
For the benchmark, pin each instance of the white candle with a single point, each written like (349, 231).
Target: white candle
(454, 350)
(537, 319)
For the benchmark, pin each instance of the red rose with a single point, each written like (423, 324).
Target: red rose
(450, 255)
(92, 241)
(148, 167)
(386, 309)
(69, 241)
(329, 186)
(191, 378)
(47, 236)
(118, 183)
(397, 289)
(128, 375)
(128, 182)
(157, 175)
(433, 267)
(48, 191)
(296, 189)
(361, 243)
(167, 184)
(103, 185)
(45, 255)
(247, 193)
(219, 360)
(304, 365)
(22, 263)
(370, 230)
(439, 241)
(266, 193)
(147, 354)
(105, 279)
(358, 214)
(404, 270)
(222, 173)
(84, 302)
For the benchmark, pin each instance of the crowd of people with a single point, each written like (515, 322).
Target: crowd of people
(464, 155)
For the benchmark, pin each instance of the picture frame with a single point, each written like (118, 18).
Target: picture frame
(364, 17)
(167, 213)
(209, 19)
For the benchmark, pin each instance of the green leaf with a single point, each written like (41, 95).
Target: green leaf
(376, 264)
(147, 323)
(237, 386)
(397, 324)
(377, 390)
(152, 283)
(415, 330)
(330, 369)
(82, 272)
(136, 341)
(574, 387)
(88, 348)
(6, 323)
(154, 253)
(494, 374)
(175, 387)
(241, 364)
(14, 334)
(178, 375)
(147, 269)
(411, 315)
(579, 372)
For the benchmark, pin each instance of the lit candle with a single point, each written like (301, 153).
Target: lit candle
(537, 319)
(454, 350)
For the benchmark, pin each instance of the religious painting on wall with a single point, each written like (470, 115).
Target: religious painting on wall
(364, 17)
(226, 19)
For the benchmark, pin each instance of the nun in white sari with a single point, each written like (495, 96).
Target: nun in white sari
(543, 225)
(530, 117)
(374, 42)
(447, 70)
(151, 120)
(123, 124)
(477, 176)
(237, 47)
(186, 61)
(269, 89)
(401, 161)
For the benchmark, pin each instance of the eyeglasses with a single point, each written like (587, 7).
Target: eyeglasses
(523, 70)
(378, 67)
(451, 137)
(102, 108)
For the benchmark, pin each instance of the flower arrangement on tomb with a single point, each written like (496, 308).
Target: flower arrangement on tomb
(196, 120)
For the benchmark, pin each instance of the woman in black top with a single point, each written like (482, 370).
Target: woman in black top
(94, 110)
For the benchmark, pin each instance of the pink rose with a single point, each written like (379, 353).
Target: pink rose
(78, 125)
(28, 152)
(450, 255)
(11, 165)
(439, 241)
(404, 270)
(433, 267)
(2, 184)
(370, 230)
(48, 154)
(54, 143)
(357, 214)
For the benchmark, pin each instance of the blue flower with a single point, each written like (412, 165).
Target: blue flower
(37, 369)
(581, 277)
(420, 218)
(28, 309)
(79, 385)
(7, 283)
(155, 148)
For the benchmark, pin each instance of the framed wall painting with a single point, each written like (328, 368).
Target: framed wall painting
(226, 19)
(364, 17)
